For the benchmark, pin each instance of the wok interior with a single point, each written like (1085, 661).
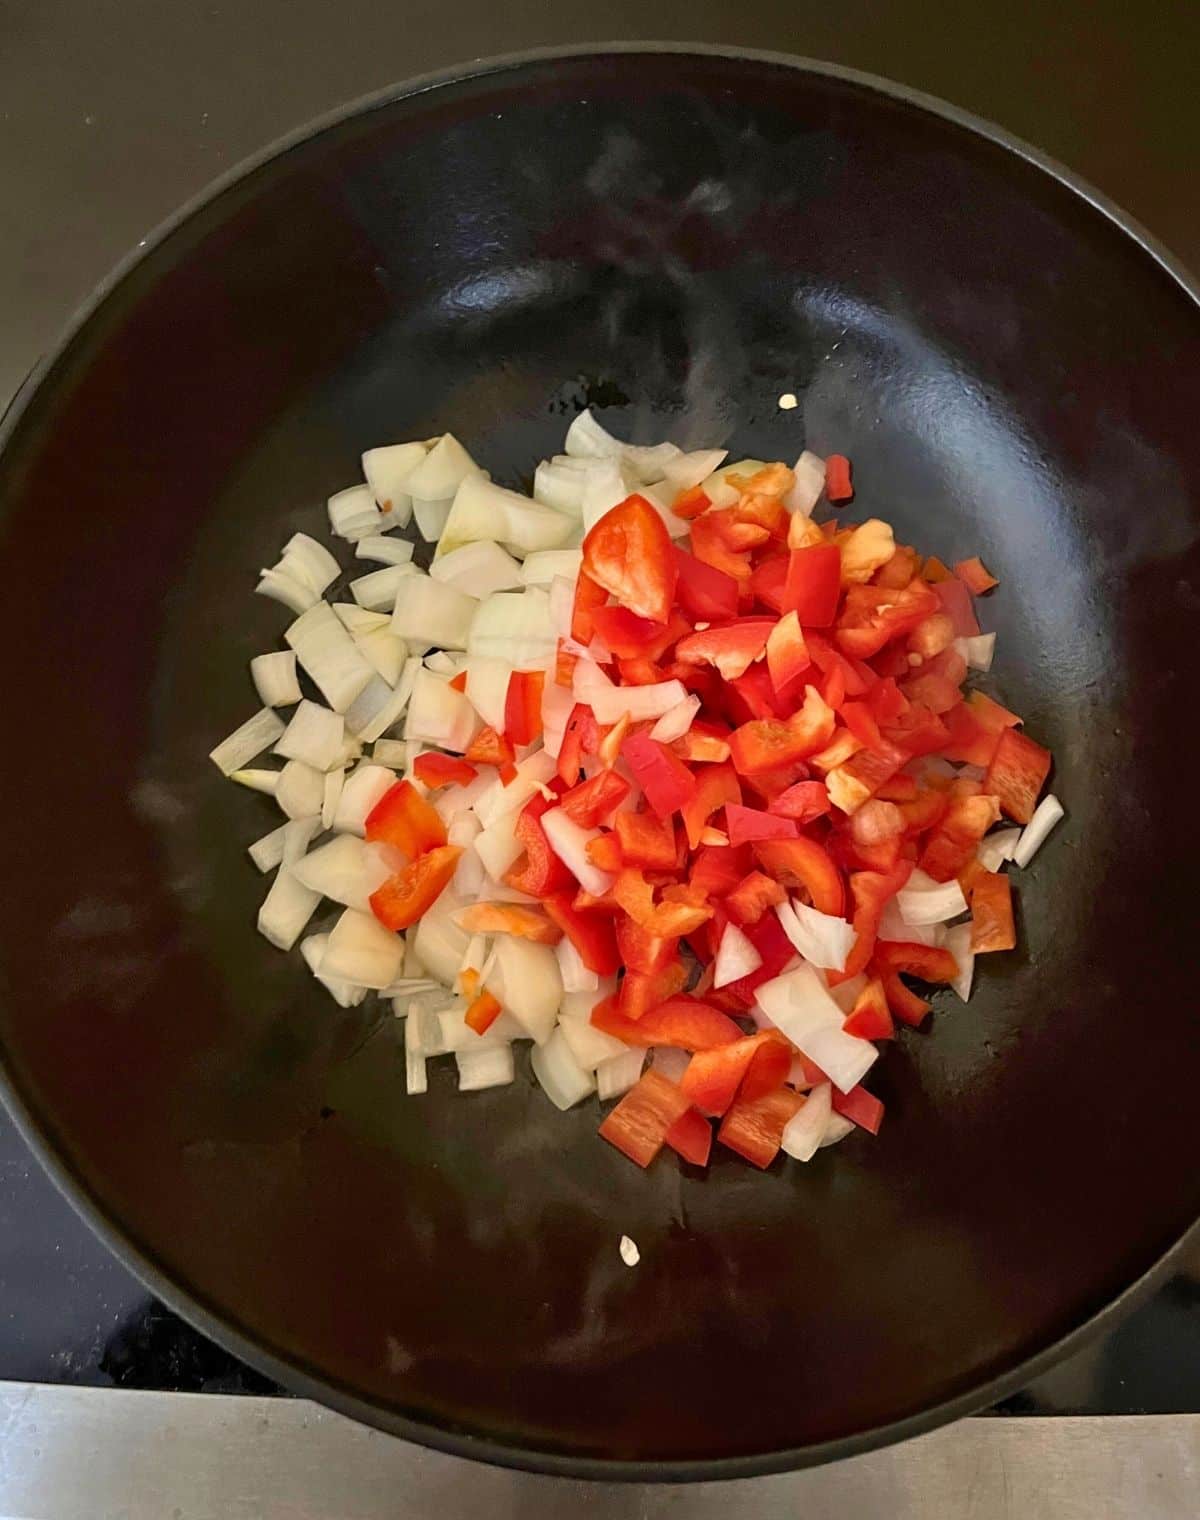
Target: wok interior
(678, 240)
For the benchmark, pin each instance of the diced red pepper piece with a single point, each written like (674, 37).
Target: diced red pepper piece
(641, 1121)
(788, 656)
(803, 801)
(402, 899)
(628, 552)
(929, 962)
(604, 852)
(752, 695)
(580, 738)
(700, 746)
(646, 842)
(715, 785)
(955, 601)
(953, 843)
(754, 1127)
(871, 1018)
(590, 803)
(509, 918)
(564, 665)
(871, 891)
(538, 872)
(872, 616)
(857, 677)
(768, 938)
(687, 1023)
(731, 648)
(588, 596)
(523, 706)
(813, 584)
(838, 486)
(590, 933)
(717, 869)
(887, 702)
(482, 1013)
(632, 637)
(490, 748)
(768, 580)
(908, 1007)
(860, 720)
(434, 770)
(691, 503)
(934, 571)
(900, 788)
(744, 825)
(1017, 773)
(992, 925)
(458, 682)
(768, 743)
(639, 950)
(802, 864)
(404, 819)
(713, 1076)
(710, 547)
(691, 1137)
(751, 898)
(641, 991)
(857, 780)
(704, 593)
(975, 575)
(900, 569)
(860, 1107)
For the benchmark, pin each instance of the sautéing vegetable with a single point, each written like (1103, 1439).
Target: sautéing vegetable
(662, 770)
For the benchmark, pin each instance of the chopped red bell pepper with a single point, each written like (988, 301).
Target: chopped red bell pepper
(838, 486)
(482, 1013)
(646, 842)
(639, 950)
(509, 918)
(662, 776)
(686, 1023)
(857, 779)
(873, 616)
(628, 552)
(731, 648)
(871, 1018)
(709, 546)
(752, 695)
(640, 991)
(591, 934)
(952, 844)
(538, 872)
(459, 682)
(788, 656)
(768, 580)
(702, 745)
(604, 851)
(717, 869)
(629, 636)
(751, 898)
(860, 720)
(434, 770)
(754, 1127)
(871, 891)
(490, 748)
(580, 738)
(934, 571)
(744, 825)
(975, 575)
(1017, 773)
(860, 1107)
(523, 706)
(704, 593)
(641, 1121)
(900, 569)
(714, 786)
(955, 601)
(802, 864)
(813, 584)
(591, 802)
(992, 925)
(404, 819)
(713, 1076)
(802, 801)
(928, 962)
(691, 1136)
(588, 596)
(564, 665)
(768, 938)
(402, 899)
(691, 503)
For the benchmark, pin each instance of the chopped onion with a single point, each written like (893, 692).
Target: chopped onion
(892, 926)
(558, 702)
(384, 652)
(661, 498)
(335, 780)
(547, 565)
(995, 849)
(329, 655)
(688, 470)
(588, 440)
(925, 901)
(390, 752)
(388, 471)
(676, 721)
(384, 550)
(415, 1077)
(439, 942)
(361, 950)
(309, 562)
(958, 942)
(736, 957)
(604, 488)
(353, 513)
(300, 790)
(266, 782)
(1045, 816)
(628, 1249)
(490, 1067)
(563, 1079)
(274, 677)
(640, 702)
(478, 569)
(487, 688)
(314, 736)
(363, 789)
(820, 938)
(804, 1131)
(286, 909)
(392, 710)
(347, 871)
(576, 977)
(978, 650)
(298, 595)
(377, 591)
(450, 801)
(837, 1128)
(845, 994)
(497, 847)
(360, 621)
(618, 1074)
(514, 626)
(569, 841)
(559, 487)
(717, 488)
(432, 614)
(345, 994)
(431, 517)
(456, 1034)
(810, 482)
(562, 608)
(255, 735)
(267, 852)
(798, 1003)
(532, 986)
(496, 799)
(484, 510)
(364, 711)
(442, 471)
(589, 1045)
(441, 663)
(439, 714)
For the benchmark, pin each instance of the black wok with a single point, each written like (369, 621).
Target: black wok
(676, 236)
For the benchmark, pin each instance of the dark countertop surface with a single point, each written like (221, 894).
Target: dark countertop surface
(112, 112)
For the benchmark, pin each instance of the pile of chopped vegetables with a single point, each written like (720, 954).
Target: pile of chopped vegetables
(665, 775)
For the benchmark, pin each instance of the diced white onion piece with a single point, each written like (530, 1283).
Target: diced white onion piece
(432, 614)
(456, 1034)
(274, 677)
(845, 994)
(255, 735)
(363, 789)
(958, 942)
(498, 891)
(377, 591)
(661, 498)
(810, 482)
(979, 650)
(562, 607)
(546, 565)
(440, 715)
(820, 938)
(478, 569)
(558, 702)
(484, 510)
(329, 655)
(490, 1067)
(392, 710)
(586, 439)
(361, 950)
(314, 735)
(589, 1045)
(1046, 815)
(576, 977)
(804, 1131)
(563, 1079)
(415, 1078)
(441, 663)
(514, 626)
(298, 595)
(487, 688)
(450, 801)
(266, 782)
(649, 461)
(560, 487)
(497, 847)
(335, 780)
(717, 488)
(384, 550)
(384, 652)
(569, 841)
(390, 752)
(360, 621)
(640, 702)
(532, 987)
(388, 471)
(670, 1062)
(310, 562)
(431, 517)
(579, 1005)
(892, 926)
(286, 909)
(442, 471)
(995, 849)
(676, 721)
(688, 470)
(347, 871)
(798, 1003)
(298, 834)
(267, 852)
(345, 994)
(628, 1249)
(439, 943)
(301, 790)
(837, 1128)
(736, 957)
(353, 513)
(618, 1074)
(363, 712)
(925, 901)
(604, 488)
(532, 774)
